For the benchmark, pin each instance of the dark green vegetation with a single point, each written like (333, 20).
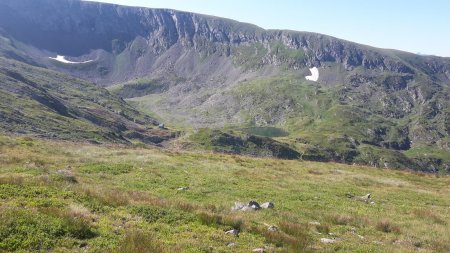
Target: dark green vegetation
(67, 197)
(235, 143)
(266, 131)
(137, 88)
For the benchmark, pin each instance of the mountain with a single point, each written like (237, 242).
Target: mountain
(359, 104)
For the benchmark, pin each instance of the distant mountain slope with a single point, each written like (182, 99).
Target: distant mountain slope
(40, 102)
(376, 106)
(130, 42)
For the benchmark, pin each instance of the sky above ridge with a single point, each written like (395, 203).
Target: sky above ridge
(417, 26)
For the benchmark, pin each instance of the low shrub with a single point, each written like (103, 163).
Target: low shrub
(161, 214)
(74, 226)
(113, 169)
(28, 230)
(140, 241)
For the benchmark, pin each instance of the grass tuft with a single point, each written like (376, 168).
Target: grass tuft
(341, 219)
(140, 241)
(387, 226)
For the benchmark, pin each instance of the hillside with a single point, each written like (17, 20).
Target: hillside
(379, 107)
(69, 197)
(45, 103)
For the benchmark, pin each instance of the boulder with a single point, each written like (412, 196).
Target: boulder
(258, 250)
(267, 205)
(327, 240)
(272, 228)
(254, 205)
(233, 231)
(366, 198)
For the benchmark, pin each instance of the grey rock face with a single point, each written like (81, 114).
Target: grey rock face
(76, 27)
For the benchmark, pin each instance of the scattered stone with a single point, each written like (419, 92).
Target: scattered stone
(234, 232)
(254, 205)
(273, 228)
(314, 223)
(231, 245)
(258, 250)
(162, 126)
(366, 198)
(372, 203)
(183, 189)
(267, 205)
(327, 240)
(237, 206)
(353, 231)
(377, 242)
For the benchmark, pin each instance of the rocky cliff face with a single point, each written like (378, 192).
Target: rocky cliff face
(205, 71)
(76, 28)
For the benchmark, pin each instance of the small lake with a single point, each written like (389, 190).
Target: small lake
(265, 131)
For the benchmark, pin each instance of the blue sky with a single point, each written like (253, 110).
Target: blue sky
(418, 26)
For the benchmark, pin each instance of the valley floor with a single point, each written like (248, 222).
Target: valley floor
(72, 197)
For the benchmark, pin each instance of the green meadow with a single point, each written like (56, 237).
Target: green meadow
(73, 197)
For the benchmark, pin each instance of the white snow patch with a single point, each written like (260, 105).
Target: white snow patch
(314, 74)
(62, 59)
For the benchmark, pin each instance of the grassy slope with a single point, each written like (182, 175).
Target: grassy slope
(322, 118)
(126, 200)
(43, 102)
